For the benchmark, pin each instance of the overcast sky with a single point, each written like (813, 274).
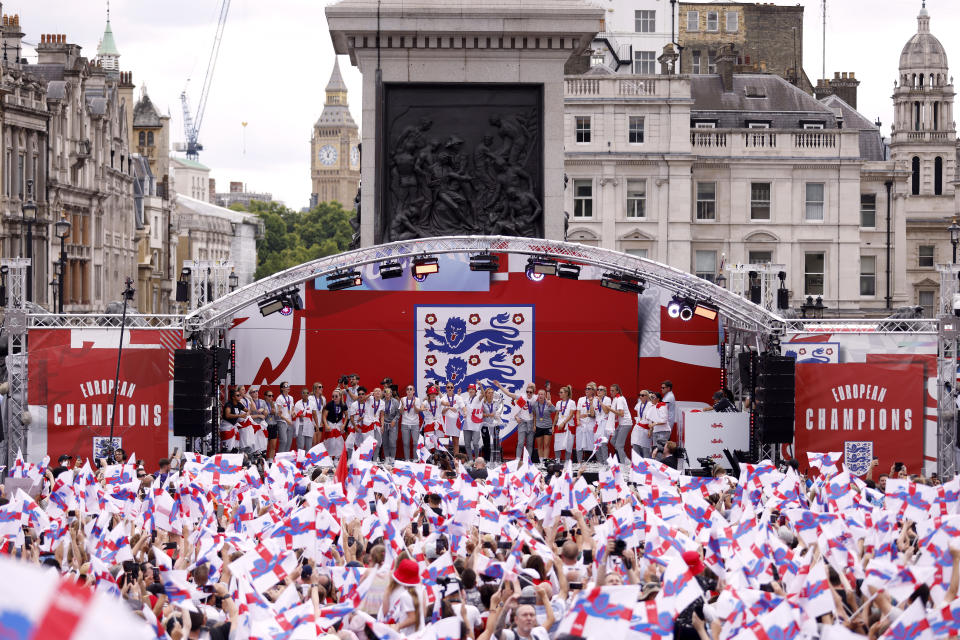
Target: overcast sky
(276, 59)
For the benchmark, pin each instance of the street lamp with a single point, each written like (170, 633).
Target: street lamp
(954, 230)
(62, 229)
(29, 210)
(233, 280)
(53, 285)
(4, 270)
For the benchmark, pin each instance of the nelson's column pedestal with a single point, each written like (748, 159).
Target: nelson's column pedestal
(462, 126)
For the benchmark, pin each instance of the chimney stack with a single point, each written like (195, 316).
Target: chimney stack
(726, 61)
(843, 85)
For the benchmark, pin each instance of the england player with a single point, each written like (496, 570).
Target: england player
(409, 422)
(564, 432)
(524, 417)
(355, 420)
(432, 419)
(452, 412)
(588, 411)
(305, 420)
(621, 412)
(372, 424)
(472, 421)
(334, 422)
(284, 406)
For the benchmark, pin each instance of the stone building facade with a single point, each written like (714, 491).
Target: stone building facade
(335, 148)
(746, 168)
(767, 37)
(634, 33)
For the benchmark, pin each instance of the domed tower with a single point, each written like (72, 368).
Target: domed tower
(335, 151)
(924, 133)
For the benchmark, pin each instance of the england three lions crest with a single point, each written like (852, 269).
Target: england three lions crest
(857, 455)
(474, 345)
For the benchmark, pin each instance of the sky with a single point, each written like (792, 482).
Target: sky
(276, 57)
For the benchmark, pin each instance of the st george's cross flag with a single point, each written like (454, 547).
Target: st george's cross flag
(36, 603)
(601, 612)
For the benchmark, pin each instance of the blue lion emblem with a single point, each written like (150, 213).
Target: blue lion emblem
(456, 372)
(857, 455)
(456, 340)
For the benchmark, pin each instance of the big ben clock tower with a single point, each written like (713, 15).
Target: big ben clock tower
(334, 148)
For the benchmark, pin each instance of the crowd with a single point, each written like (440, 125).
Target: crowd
(454, 419)
(234, 546)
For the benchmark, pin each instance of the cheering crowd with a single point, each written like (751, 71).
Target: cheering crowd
(295, 547)
(449, 417)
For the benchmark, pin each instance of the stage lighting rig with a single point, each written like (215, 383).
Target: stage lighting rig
(390, 270)
(271, 305)
(673, 307)
(484, 262)
(622, 282)
(344, 280)
(541, 266)
(568, 271)
(424, 266)
(686, 309)
(704, 311)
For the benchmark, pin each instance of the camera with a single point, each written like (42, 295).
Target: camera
(619, 546)
(553, 468)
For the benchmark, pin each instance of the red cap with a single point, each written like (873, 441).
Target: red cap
(471, 386)
(694, 562)
(432, 390)
(407, 573)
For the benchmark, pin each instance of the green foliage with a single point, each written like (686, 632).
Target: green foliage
(292, 238)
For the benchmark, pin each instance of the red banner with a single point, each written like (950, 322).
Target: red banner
(864, 410)
(72, 373)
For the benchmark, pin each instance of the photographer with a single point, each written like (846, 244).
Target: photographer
(670, 455)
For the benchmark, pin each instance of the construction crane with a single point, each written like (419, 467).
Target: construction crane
(191, 124)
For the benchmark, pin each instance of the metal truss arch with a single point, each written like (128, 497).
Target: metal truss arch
(735, 310)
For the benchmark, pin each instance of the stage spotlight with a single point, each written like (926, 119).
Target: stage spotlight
(568, 271)
(183, 285)
(686, 309)
(533, 275)
(344, 280)
(390, 270)
(704, 311)
(542, 266)
(272, 305)
(484, 262)
(622, 282)
(293, 300)
(422, 267)
(673, 307)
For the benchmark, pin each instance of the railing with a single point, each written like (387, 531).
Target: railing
(583, 86)
(928, 136)
(102, 320)
(814, 140)
(621, 86)
(760, 139)
(852, 325)
(707, 138)
(773, 143)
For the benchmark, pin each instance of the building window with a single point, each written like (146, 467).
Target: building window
(758, 125)
(868, 275)
(583, 198)
(150, 138)
(644, 62)
(813, 270)
(938, 176)
(636, 198)
(693, 21)
(868, 210)
(814, 209)
(915, 184)
(711, 61)
(597, 59)
(925, 299)
(713, 21)
(21, 182)
(696, 63)
(645, 21)
(925, 255)
(640, 253)
(143, 138)
(733, 21)
(705, 264)
(583, 128)
(759, 257)
(705, 124)
(812, 125)
(636, 129)
(706, 201)
(759, 200)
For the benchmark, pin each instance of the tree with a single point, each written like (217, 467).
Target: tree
(291, 238)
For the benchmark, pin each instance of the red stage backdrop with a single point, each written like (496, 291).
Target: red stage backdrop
(72, 373)
(864, 410)
(568, 332)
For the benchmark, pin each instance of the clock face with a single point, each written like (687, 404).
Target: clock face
(354, 155)
(327, 154)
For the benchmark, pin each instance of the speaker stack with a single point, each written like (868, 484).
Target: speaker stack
(193, 400)
(776, 395)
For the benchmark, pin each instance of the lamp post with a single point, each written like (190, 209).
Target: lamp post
(954, 230)
(233, 280)
(29, 210)
(62, 229)
(53, 285)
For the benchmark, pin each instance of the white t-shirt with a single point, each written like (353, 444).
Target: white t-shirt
(619, 403)
(659, 417)
(584, 405)
(451, 411)
(641, 435)
(355, 414)
(399, 605)
(671, 401)
(431, 410)
(372, 410)
(284, 406)
(523, 413)
(471, 406)
(410, 411)
(304, 423)
(565, 409)
(607, 420)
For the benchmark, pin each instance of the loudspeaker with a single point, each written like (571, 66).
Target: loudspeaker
(748, 364)
(192, 373)
(183, 291)
(776, 397)
(783, 298)
(222, 356)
